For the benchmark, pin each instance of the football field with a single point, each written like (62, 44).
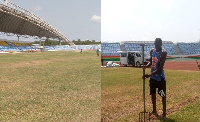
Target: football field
(50, 86)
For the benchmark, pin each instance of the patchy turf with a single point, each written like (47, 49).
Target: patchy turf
(50, 86)
(189, 113)
(121, 91)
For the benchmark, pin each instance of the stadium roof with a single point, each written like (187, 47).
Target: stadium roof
(17, 20)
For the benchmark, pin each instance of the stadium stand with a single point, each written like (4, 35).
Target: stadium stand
(6, 46)
(135, 46)
(85, 47)
(189, 48)
(62, 47)
(110, 49)
(2, 43)
(22, 46)
(49, 48)
(113, 49)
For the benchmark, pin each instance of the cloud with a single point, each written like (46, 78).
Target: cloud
(37, 9)
(96, 19)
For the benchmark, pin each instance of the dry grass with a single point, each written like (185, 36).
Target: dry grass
(52, 86)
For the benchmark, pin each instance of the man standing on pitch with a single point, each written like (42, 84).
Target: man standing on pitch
(157, 76)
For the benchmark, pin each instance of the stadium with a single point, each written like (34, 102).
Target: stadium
(44, 83)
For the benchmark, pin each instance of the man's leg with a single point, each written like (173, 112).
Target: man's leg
(152, 85)
(162, 92)
(153, 99)
(164, 106)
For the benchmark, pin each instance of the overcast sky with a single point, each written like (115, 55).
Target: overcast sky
(76, 19)
(144, 20)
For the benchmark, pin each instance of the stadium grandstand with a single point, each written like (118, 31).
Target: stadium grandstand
(189, 48)
(17, 46)
(17, 21)
(112, 51)
(13, 46)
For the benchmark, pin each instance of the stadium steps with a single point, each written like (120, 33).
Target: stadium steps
(178, 51)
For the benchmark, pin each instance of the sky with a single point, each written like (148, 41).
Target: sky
(76, 19)
(145, 20)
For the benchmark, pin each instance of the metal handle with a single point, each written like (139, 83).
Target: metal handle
(143, 75)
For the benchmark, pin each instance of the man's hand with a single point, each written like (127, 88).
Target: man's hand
(146, 76)
(144, 67)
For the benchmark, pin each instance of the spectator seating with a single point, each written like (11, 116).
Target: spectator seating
(21, 46)
(189, 48)
(49, 48)
(62, 47)
(85, 47)
(169, 47)
(8, 48)
(110, 49)
(18, 47)
(2, 43)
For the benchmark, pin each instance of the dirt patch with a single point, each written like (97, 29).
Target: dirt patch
(181, 65)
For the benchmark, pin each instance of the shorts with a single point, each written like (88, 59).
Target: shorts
(161, 85)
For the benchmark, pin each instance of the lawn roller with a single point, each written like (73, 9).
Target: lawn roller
(144, 116)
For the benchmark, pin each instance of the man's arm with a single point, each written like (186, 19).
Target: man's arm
(148, 65)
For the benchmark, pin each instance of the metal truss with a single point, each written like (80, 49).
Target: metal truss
(17, 20)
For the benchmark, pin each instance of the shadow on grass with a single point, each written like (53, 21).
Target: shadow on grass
(169, 120)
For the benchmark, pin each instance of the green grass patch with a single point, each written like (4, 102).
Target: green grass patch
(189, 113)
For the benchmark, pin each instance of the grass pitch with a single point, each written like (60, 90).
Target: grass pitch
(121, 99)
(50, 86)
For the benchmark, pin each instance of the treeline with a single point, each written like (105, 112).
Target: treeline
(49, 42)
(86, 42)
